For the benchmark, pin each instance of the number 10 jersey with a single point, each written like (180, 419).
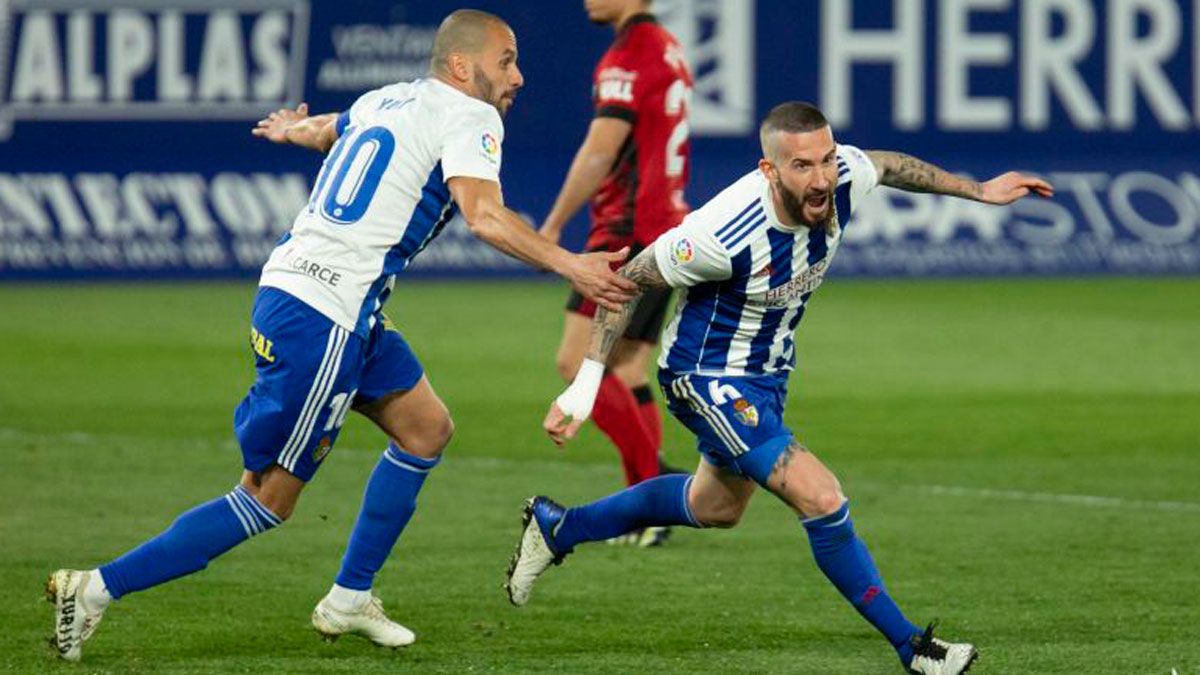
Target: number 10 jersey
(381, 196)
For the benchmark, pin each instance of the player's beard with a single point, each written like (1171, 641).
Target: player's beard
(487, 91)
(794, 206)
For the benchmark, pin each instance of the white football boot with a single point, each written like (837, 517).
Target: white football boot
(369, 621)
(74, 620)
(534, 553)
(932, 656)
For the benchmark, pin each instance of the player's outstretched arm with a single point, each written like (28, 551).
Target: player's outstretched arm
(316, 132)
(483, 207)
(572, 408)
(906, 172)
(592, 163)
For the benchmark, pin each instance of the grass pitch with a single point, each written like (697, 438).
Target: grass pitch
(1021, 457)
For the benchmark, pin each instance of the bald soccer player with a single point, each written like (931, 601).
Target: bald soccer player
(402, 161)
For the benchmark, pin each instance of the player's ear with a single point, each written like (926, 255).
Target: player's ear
(767, 168)
(459, 66)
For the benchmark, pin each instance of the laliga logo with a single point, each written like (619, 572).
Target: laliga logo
(682, 251)
(149, 60)
(489, 144)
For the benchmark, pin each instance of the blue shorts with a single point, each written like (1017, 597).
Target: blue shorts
(738, 421)
(310, 373)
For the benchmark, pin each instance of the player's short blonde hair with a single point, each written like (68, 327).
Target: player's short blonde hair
(463, 31)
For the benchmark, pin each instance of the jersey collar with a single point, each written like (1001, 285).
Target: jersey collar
(644, 17)
(447, 86)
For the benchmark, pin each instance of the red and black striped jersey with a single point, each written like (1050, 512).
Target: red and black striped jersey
(644, 79)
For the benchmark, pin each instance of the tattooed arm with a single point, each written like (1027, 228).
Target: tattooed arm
(609, 325)
(572, 408)
(908, 173)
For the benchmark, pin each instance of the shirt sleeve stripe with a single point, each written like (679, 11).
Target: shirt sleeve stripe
(724, 229)
(619, 112)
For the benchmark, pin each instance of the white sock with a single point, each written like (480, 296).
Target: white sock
(347, 599)
(95, 593)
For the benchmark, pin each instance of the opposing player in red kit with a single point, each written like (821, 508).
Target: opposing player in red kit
(632, 167)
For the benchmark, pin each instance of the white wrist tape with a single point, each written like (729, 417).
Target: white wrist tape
(578, 399)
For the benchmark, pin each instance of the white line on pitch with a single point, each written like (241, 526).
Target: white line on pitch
(1056, 498)
(83, 438)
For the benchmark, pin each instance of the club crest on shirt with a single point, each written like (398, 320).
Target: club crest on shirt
(745, 412)
(682, 251)
(322, 449)
(489, 146)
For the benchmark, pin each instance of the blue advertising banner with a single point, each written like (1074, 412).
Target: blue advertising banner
(125, 148)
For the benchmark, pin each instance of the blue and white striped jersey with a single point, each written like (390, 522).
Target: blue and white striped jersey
(748, 276)
(381, 196)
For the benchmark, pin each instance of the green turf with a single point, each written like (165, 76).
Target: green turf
(115, 408)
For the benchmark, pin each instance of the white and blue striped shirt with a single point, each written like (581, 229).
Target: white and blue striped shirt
(748, 276)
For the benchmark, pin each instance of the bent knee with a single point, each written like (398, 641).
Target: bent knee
(275, 489)
(823, 503)
(280, 503)
(720, 518)
(432, 438)
(282, 509)
(631, 375)
(722, 522)
(445, 432)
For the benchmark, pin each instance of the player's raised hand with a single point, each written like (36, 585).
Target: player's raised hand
(1009, 187)
(594, 278)
(560, 426)
(274, 127)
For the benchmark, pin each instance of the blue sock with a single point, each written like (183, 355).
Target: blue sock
(844, 559)
(388, 503)
(195, 538)
(656, 502)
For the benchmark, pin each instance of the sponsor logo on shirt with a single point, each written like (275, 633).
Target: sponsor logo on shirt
(682, 251)
(262, 345)
(316, 270)
(807, 282)
(615, 84)
(490, 147)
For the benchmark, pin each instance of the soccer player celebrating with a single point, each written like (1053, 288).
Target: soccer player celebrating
(401, 162)
(632, 166)
(749, 260)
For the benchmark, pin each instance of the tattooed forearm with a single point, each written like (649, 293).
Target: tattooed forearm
(906, 172)
(608, 326)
